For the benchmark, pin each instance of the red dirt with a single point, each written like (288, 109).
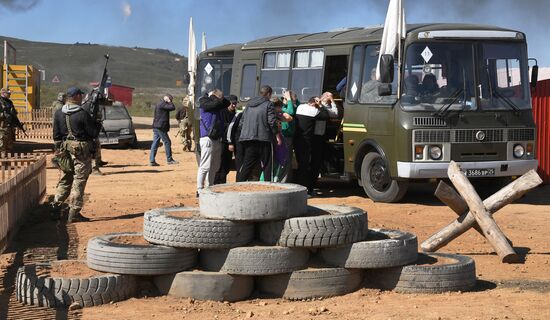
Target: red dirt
(72, 269)
(515, 291)
(133, 240)
(247, 188)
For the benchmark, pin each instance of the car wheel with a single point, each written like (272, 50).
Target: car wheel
(377, 182)
(134, 143)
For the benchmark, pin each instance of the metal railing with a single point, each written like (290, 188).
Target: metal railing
(22, 186)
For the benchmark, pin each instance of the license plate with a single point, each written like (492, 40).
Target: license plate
(480, 172)
(108, 140)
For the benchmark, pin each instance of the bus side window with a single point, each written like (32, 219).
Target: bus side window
(354, 76)
(307, 73)
(275, 71)
(369, 86)
(248, 85)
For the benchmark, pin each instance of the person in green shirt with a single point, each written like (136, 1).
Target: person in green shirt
(290, 104)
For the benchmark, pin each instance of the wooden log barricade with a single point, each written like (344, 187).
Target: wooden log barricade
(22, 186)
(480, 214)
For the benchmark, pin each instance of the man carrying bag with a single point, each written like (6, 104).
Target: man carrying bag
(211, 130)
(74, 130)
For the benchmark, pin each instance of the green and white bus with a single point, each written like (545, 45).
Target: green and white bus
(458, 92)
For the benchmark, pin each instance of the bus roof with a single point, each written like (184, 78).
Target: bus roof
(344, 36)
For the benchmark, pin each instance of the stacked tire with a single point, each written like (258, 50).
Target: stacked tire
(300, 251)
(252, 236)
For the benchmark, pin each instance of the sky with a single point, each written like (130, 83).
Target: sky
(164, 23)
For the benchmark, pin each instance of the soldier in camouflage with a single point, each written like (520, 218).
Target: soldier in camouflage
(59, 102)
(74, 130)
(185, 125)
(96, 157)
(8, 121)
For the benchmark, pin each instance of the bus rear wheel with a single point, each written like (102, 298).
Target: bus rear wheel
(377, 182)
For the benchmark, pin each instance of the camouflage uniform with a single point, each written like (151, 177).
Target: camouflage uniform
(73, 183)
(58, 104)
(7, 127)
(74, 130)
(186, 127)
(96, 156)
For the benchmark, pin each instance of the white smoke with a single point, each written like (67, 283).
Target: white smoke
(126, 10)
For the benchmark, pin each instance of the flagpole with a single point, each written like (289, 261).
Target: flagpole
(191, 64)
(399, 43)
(203, 44)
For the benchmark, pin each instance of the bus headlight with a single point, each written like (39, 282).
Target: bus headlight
(435, 152)
(519, 151)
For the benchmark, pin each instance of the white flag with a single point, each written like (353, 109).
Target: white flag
(394, 30)
(203, 44)
(191, 49)
(191, 64)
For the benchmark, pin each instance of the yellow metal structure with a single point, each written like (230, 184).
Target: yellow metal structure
(24, 83)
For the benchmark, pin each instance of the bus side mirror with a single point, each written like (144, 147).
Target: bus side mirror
(534, 76)
(386, 68)
(384, 89)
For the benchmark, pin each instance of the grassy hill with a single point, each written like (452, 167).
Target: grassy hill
(152, 72)
(80, 64)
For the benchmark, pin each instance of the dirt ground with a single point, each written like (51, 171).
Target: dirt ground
(117, 200)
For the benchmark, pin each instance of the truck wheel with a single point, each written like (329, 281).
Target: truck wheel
(377, 182)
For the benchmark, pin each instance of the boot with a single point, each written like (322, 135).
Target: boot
(75, 216)
(55, 210)
(96, 171)
(101, 163)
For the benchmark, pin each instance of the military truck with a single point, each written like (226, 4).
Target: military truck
(458, 92)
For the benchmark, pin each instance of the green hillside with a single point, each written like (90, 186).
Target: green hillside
(80, 64)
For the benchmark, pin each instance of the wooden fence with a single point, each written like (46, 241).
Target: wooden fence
(22, 186)
(38, 125)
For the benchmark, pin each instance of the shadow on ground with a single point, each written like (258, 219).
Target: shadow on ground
(418, 193)
(39, 240)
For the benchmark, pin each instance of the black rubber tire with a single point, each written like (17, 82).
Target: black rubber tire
(104, 255)
(381, 249)
(254, 206)
(44, 291)
(457, 275)
(310, 283)
(195, 232)
(396, 189)
(324, 226)
(254, 261)
(201, 285)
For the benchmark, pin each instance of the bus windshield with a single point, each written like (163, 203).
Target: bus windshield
(441, 76)
(213, 74)
(503, 74)
(438, 75)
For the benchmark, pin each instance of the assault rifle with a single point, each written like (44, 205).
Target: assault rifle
(8, 112)
(97, 93)
(20, 125)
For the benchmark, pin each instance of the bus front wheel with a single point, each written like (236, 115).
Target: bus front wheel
(377, 182)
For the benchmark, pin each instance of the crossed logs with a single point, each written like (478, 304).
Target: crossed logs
(476, 213)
